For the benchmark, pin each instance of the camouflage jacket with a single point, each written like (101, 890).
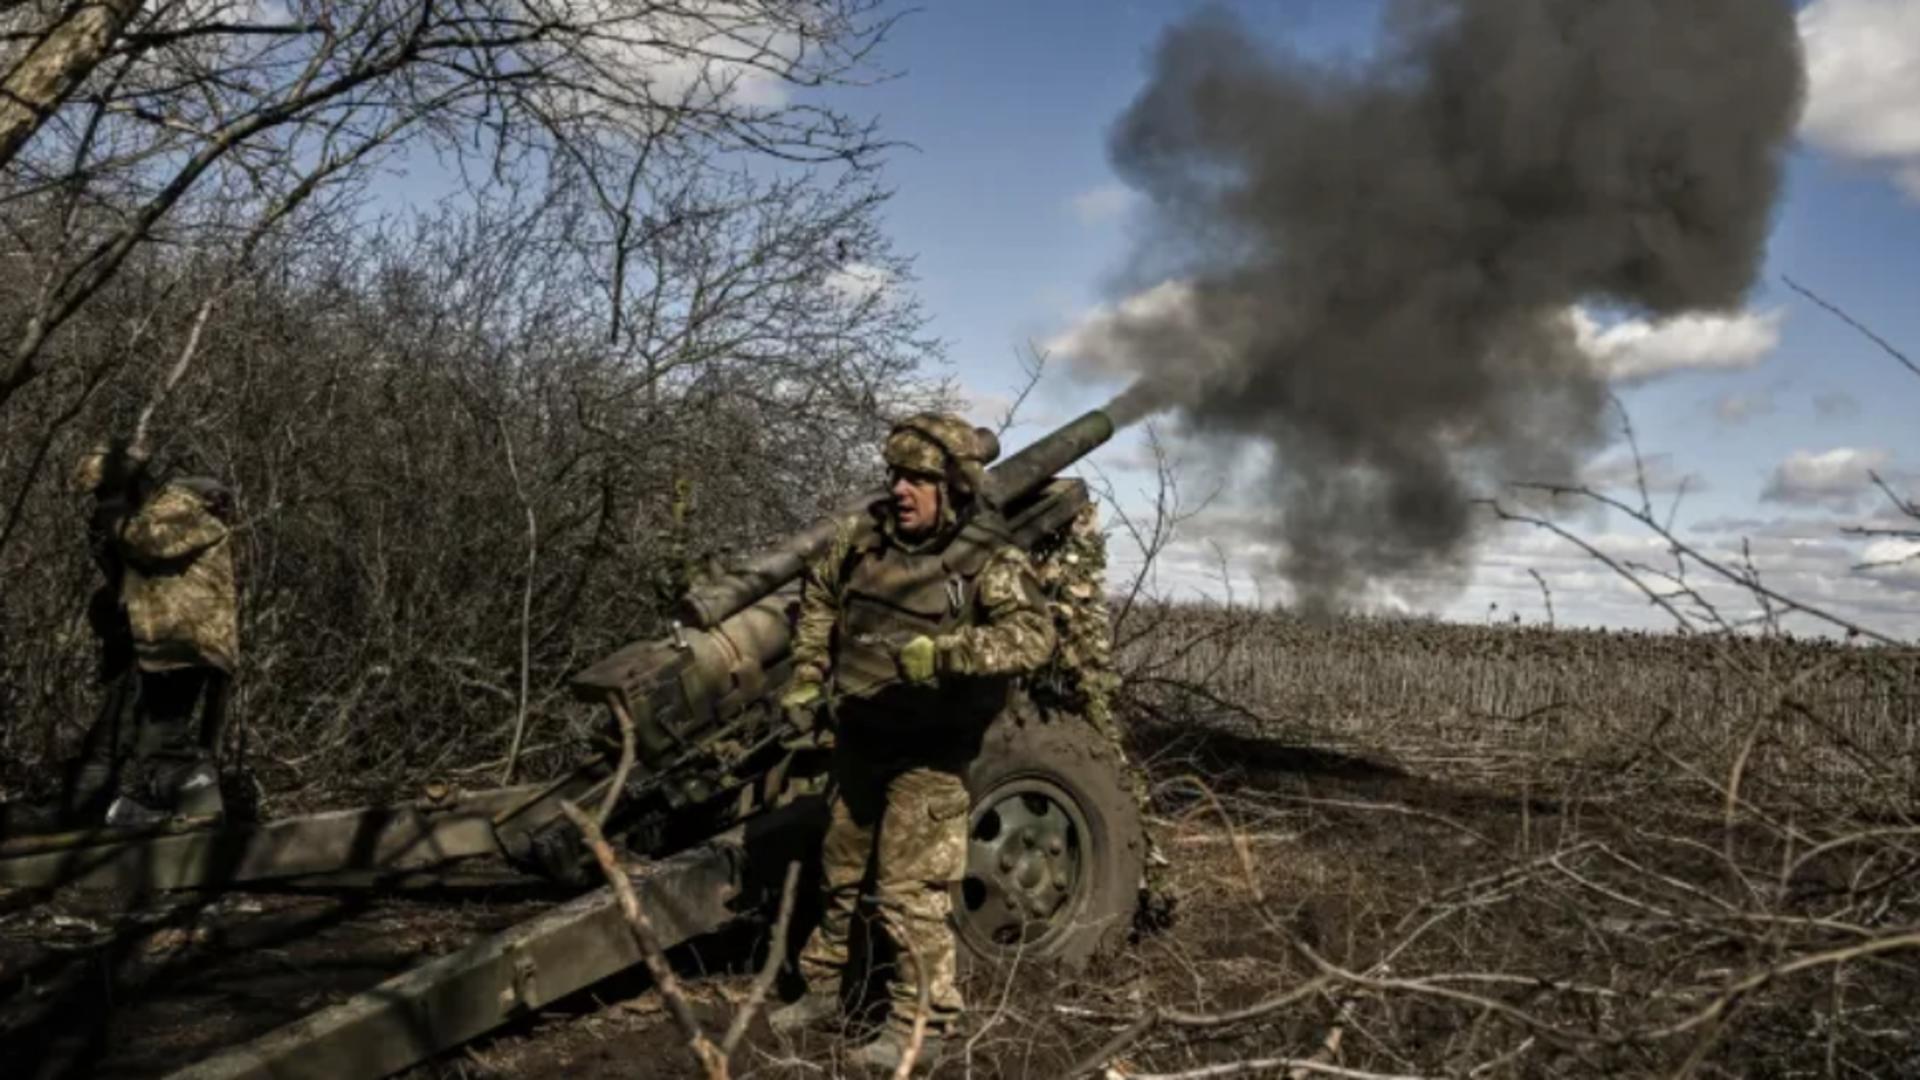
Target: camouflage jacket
(1004, 631)
(178, 581)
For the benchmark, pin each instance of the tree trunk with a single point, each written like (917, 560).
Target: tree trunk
(54, 65)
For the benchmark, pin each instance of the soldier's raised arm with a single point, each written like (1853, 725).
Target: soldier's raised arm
(1016, 633)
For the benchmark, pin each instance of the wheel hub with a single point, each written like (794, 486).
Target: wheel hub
(1024, 865)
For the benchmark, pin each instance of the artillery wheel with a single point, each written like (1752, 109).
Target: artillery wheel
(1055, 845)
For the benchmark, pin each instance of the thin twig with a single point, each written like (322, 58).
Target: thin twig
(1035, 365)
(616, 785)
(917, 1037)
(142, 428)
(1141, 1025)
(1273, 1065)
(712, 1061)
(776, 956)
(1835, 310)
(526, 609)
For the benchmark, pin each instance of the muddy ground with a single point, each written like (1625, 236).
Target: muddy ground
(1498, 887)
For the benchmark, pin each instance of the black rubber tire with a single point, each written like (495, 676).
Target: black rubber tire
(1069, 760)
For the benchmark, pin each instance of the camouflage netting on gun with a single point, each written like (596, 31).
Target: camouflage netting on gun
(1082, 680)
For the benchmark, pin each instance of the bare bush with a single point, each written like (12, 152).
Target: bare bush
(394, 411)
(473, 450)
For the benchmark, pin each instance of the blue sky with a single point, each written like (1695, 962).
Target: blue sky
(1020, 232)
(1019, 229)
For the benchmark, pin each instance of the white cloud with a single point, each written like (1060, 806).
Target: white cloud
(1234, 550)
(858, 282)
(1636, 350)
(1097, 206)
(1658, 472)
(983, 406)
(1834, 478)
(1629, 350)
(1863, 73)
(1894, 561)
(1094, 344)
(1779, 528)
(705, 54)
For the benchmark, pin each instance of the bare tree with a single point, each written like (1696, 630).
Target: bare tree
(57, 48)
(205, 115)
(386, 391)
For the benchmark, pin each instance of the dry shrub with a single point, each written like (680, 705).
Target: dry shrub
(447, 475)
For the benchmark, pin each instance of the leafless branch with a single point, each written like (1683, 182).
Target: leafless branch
(769, 970)
(713, 1062)
(1835, 310)
(1033, 363)
(526, 633)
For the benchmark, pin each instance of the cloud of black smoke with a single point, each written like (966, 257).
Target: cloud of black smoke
(1374, 260)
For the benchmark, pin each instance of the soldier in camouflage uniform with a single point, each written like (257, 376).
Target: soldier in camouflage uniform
(911, 634)
(1081, 680)
(112, 477)
(169, 544)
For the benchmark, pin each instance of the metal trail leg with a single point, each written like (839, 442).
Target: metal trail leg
(445, 1002)
(448, 1001)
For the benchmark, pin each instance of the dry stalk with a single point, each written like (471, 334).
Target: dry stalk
(1241, 849)
(917, 1037)
(776, 956)
(712, 1061)
(142, 427)
(1510, 876)
(526, 608)
(1293, 1066)
(1143, 1025)
(617, 785)
(999, 1010)
(1389, 808)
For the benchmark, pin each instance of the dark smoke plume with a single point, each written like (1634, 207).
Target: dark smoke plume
(1375, 259)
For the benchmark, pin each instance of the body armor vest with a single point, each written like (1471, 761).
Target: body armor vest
(892, 595)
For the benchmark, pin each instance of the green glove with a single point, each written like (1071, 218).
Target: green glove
(917, 659)
(801, 703)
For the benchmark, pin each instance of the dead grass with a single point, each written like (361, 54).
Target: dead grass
(1506, 705)
(1414, 850)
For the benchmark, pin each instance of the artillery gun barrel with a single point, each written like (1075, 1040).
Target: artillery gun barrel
(1041, 460)
(706, 605)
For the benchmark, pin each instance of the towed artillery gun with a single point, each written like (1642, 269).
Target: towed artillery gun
(724, 792)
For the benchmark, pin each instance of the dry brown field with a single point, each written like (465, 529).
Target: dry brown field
(1505, 703)
(1397, 848)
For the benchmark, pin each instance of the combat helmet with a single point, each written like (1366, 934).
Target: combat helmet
(946, 446)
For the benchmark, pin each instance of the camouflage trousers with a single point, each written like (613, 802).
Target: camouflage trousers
(905, 829)
(152, 727)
